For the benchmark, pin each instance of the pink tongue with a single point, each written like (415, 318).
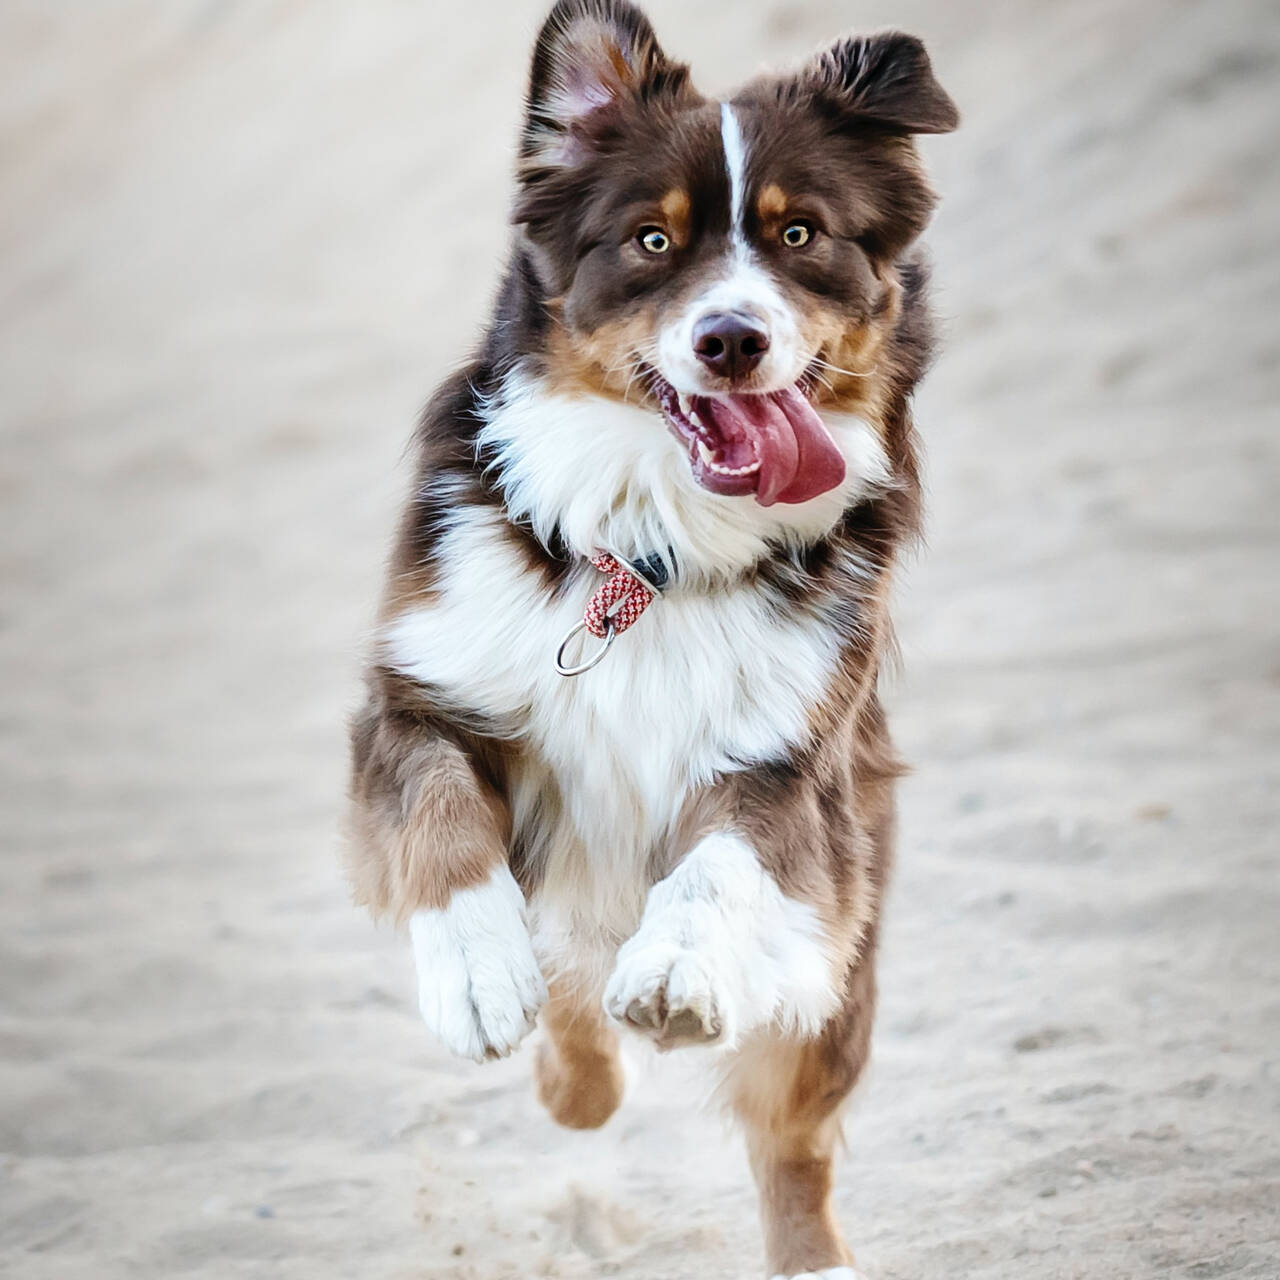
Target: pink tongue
(798, 458)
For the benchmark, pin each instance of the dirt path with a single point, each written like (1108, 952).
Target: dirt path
(238, 244)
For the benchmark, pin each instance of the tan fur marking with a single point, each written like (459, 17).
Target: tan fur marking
(601, 362)
(794, 1182)
(622, 69)
(857, 383)
(579, 1073)
(677, 209)
(771, 202)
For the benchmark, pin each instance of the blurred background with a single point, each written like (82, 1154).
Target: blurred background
(239, 244)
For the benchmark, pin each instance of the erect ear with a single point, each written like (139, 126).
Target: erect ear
(590, 56)
(884, 79)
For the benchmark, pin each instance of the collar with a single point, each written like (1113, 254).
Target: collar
(632, 584)
(655, 570)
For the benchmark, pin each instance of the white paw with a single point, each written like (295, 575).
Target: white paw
(670, 994)
(479, 986)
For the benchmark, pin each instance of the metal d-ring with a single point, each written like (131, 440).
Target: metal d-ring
(610, 635)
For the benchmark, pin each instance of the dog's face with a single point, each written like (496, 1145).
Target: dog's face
(731, 261)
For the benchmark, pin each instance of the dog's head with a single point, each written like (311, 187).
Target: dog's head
(733, 261)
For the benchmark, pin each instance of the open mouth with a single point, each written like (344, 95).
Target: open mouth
(773, 445)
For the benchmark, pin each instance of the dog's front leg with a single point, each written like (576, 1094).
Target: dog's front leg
(479, 986)
(720, 952)
(428, 845)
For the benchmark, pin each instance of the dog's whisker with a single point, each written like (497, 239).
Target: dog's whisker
(849, 373)
(636, 370)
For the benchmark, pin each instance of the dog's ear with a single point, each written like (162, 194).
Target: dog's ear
(591, 56)
(884, 79)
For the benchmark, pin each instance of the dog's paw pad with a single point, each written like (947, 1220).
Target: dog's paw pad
(669, 994)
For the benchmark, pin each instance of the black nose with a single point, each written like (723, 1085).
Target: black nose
(729, 343)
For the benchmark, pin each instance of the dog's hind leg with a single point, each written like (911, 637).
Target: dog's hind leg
(789, 1095)
(579, 1073)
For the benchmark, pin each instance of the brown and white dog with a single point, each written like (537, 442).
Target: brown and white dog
(701, 363)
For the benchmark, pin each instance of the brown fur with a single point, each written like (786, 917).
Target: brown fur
(788, 1097)
(423, 823)
(578, 1070)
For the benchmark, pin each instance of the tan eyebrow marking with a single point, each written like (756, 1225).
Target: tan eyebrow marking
(771, 202)
(676, 208)
(621, 66)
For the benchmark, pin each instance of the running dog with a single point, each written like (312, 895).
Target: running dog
(622, 763)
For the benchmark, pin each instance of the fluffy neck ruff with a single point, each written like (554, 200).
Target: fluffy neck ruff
(594, 474)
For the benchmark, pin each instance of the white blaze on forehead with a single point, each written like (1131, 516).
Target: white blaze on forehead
(735, 161)
(743, 283)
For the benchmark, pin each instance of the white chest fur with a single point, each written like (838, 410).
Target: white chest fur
(706, 681)
(701, 684)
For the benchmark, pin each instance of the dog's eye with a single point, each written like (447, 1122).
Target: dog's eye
(797, 234)
(653, 239)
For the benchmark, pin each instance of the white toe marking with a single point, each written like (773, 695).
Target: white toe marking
(666, 976)
(479, 986)
(727, 950)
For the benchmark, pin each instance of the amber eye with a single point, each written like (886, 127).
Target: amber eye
(797, 234)
(653, 239)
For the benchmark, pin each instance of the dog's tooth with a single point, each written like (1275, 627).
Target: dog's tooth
(706, 455)
(750, 469)
(685, 402)
(733, 471)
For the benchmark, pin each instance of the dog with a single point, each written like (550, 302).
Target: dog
(623, 764)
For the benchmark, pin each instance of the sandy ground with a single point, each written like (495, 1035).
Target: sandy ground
(238, 245)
